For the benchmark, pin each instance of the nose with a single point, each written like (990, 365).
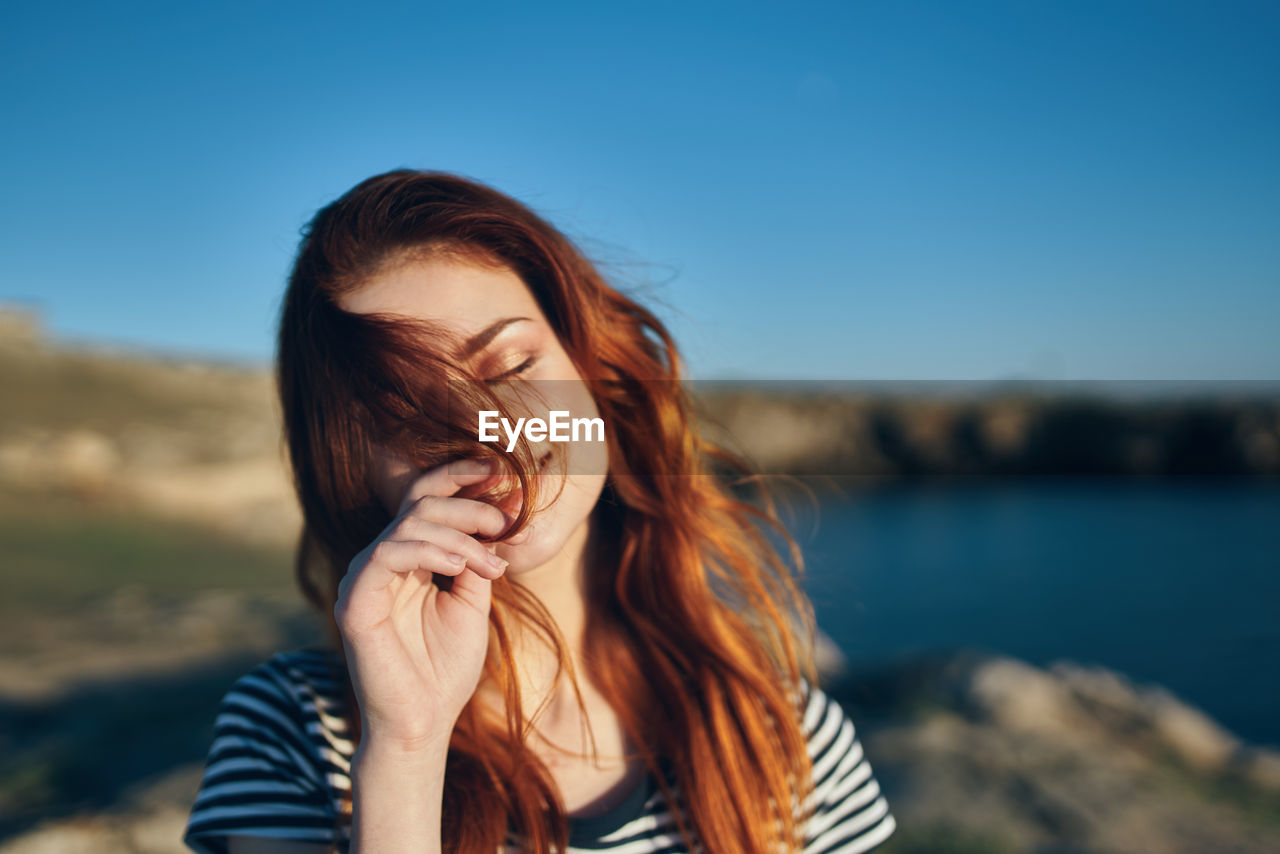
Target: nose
(528, 403)
(542, 453)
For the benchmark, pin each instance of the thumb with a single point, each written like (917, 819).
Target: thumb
(469, 595)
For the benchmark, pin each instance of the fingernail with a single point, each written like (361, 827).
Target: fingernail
(497, 562)
(457, 560)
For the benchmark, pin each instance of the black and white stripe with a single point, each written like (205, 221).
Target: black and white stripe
(275, 765)
(280, 763)
(849, 812)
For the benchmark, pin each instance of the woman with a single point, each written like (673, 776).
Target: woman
(536, 645)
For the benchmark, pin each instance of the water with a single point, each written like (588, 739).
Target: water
(1174, 582)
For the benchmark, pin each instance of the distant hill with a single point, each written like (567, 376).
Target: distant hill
(177, 437)
(202, 441)
(894, 430)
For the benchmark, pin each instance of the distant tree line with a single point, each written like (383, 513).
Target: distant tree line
(893, 436)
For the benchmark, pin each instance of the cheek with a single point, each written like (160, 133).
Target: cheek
(575, 393)
(580, 496)
(590, 459)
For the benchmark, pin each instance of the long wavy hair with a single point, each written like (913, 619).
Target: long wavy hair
(697, 626)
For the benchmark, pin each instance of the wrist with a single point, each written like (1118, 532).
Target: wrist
(397, 792)
(427, 751)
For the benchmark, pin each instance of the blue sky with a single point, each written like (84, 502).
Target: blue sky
(887, 190)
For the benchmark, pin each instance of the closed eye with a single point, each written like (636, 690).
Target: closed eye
(514, 372)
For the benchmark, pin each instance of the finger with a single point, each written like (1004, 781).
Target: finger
(461, 514)
(393, 558)
(450, 539)
(495, 477)
(446, 479)
(360, 592)
(469, 590)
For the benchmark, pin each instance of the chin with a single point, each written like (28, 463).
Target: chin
(547, 540)
(555, 526)
(530, 554)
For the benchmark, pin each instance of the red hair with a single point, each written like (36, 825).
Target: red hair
(697, 630)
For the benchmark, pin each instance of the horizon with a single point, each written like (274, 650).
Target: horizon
(1123, 391)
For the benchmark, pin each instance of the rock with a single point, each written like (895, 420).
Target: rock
(1258, 767)
(832, 663)
(1013, 757)
(76, 836)
(1189, 732)
(1013, 694)
(1080, 702)
(86, 455)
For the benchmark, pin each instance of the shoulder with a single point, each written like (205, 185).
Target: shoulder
(287, 693)
(305, 671)
(822, 717)
(847, 808)
(279, 756)
(298, 693)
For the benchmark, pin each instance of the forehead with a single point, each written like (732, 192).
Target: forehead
(462, 294)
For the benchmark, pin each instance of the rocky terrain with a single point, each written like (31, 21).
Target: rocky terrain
(975, 752)
(980, 752)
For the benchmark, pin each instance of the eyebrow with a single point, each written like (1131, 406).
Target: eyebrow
(484, 337)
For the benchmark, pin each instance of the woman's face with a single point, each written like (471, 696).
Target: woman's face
(494, 310)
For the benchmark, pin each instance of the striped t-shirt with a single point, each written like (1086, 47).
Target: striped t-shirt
(280, 762)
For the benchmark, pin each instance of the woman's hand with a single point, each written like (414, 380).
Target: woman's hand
(416, 651)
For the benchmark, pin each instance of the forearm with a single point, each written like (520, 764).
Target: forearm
(396, 800)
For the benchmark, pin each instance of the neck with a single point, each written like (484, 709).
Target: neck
(560, 585)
